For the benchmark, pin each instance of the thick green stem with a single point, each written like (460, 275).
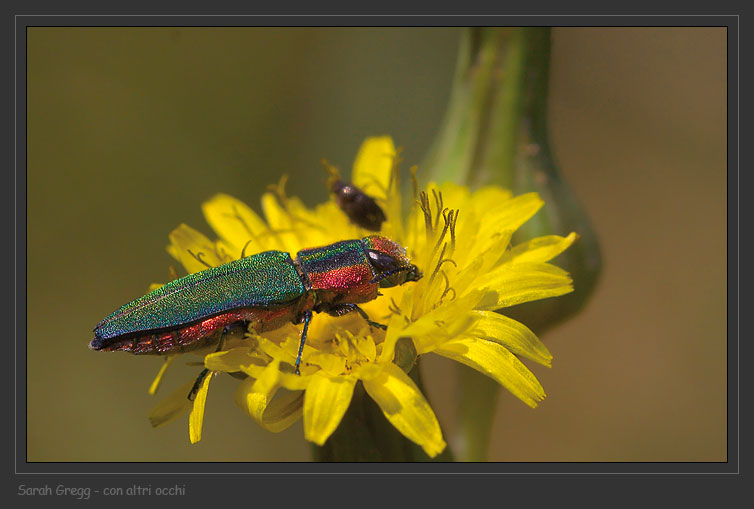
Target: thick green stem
(479, 132)
(496, 148)
(476, 411)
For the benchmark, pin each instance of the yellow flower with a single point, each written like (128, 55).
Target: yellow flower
(459, 239)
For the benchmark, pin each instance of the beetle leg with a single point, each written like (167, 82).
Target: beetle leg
(221, 341)
(342, 309)
(198, 382)
(307, 317)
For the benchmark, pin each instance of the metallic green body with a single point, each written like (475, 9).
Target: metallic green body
(265, 280)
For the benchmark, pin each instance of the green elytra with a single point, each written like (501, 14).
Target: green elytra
(264, 279)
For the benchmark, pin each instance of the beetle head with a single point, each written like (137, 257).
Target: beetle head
(390, 262)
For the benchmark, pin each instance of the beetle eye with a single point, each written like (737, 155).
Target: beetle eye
(382, 262)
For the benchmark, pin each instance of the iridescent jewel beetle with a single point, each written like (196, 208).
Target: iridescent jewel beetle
(264, 290)
(360, 208)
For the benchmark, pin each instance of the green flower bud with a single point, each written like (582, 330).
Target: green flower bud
(535, 169)
(495, 132)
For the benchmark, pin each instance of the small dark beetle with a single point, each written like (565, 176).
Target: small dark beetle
(360, 208)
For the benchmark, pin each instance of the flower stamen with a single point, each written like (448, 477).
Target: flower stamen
(198, 257)
(243, 250)
(394, 172)
(443, 233)
(393, 307)
(438, 205)
(440, 262)
(424, 205)
(332, 171)
(222, 254)
(279, 190)
(447, 289)
(414, 182)
(451, 219)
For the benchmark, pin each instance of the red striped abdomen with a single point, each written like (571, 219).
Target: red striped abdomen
(201, 333)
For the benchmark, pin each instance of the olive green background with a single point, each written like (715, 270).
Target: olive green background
(130, 129)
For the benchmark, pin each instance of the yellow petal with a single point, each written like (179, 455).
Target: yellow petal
(540, 249)
(447, 320)
(270, 348)
(511, 334)
(171, 407)
(294, 382)
(477, 270)
(306, 221)
(335, 223)
(253, 403)
(158, 379)
(281, 224)
(286, 351)
(333, 364)
(274, 414)
(195, 251)
(488, 197)
(266, 379)
(236, 223)
(226, 252)
(231, 361)
(276, 215)
(155, 286)
(196, 417)
(373, 166)
(454, 195)
(508, 215)
(517, 283)
(283, 410)
(496, 362)
(366, 347)
(405, 407)
(326, 401)
(173, 251)
(395, 326)
(270, 377)
(467, 230)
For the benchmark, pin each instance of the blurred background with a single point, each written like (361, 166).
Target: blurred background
(130, 129)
